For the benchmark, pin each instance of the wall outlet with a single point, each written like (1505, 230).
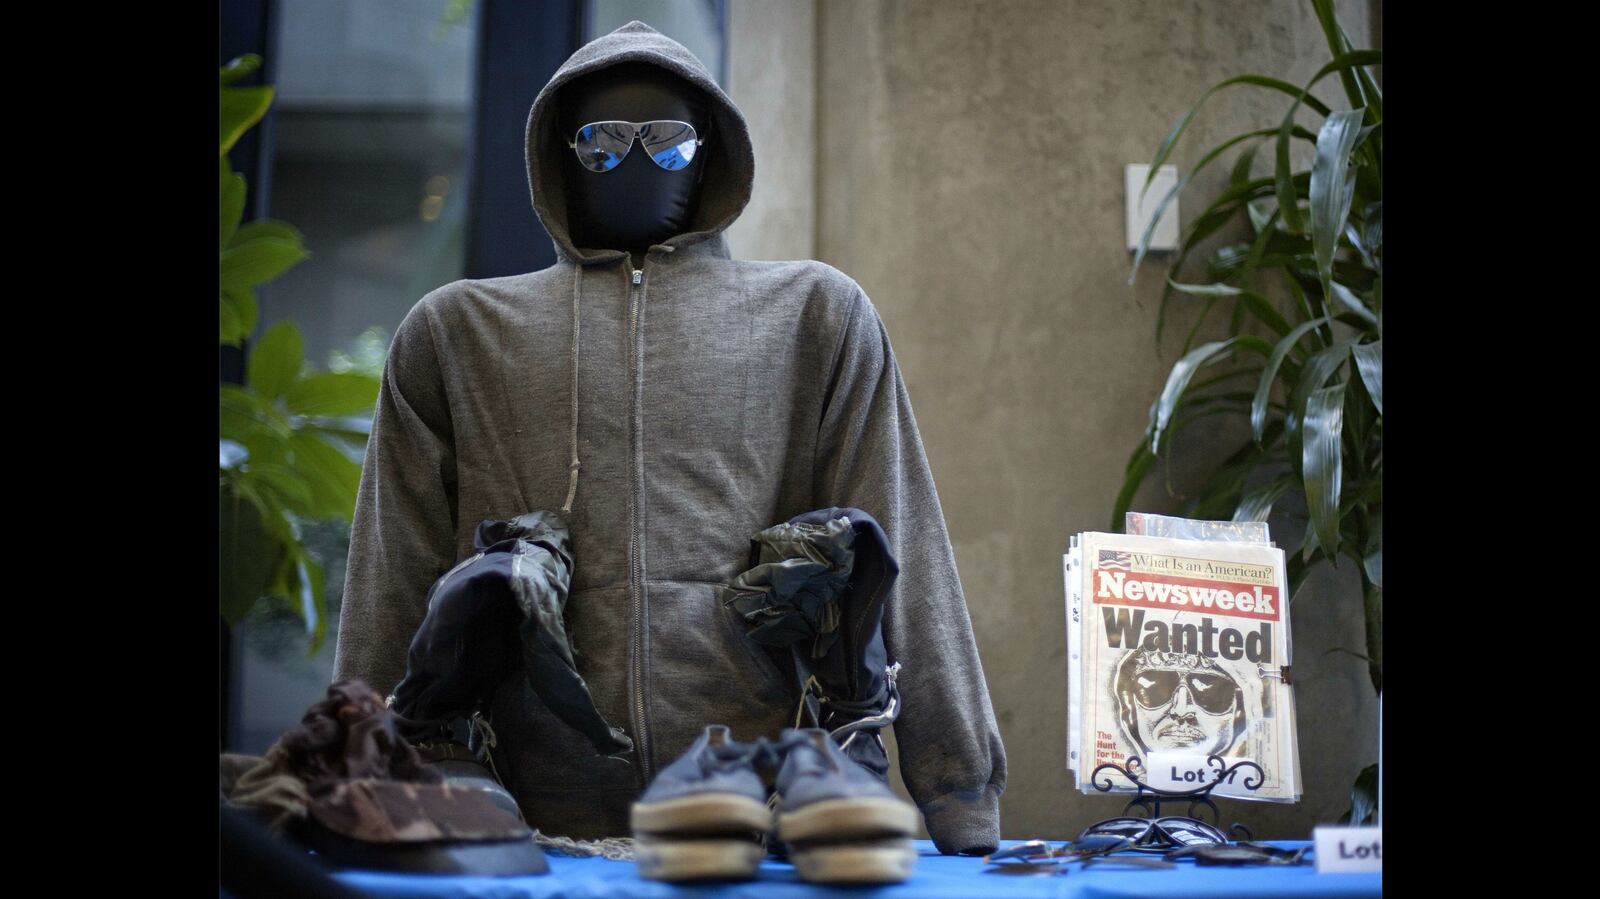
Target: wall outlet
(1139, 214)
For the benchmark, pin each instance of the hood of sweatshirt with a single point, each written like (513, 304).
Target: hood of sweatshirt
(728, 155)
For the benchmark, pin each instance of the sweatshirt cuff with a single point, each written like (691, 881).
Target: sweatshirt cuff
(966, 822)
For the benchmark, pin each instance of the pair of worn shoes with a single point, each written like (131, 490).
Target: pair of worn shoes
(706, 815)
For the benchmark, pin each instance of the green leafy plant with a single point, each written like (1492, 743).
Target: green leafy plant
(286, 435)
(1304, 370)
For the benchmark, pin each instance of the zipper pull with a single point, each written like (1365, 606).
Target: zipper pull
(638, 276)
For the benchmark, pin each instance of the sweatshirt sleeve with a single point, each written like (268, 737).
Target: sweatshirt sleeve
(870, 456)
(403, 534)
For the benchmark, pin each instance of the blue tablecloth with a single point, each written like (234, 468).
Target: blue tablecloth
(936, 876)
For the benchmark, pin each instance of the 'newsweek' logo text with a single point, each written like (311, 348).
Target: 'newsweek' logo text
(1147, 591)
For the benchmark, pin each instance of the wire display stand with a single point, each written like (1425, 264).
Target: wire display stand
(1149, 799)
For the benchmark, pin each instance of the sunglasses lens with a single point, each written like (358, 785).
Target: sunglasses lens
(602, 145)
(1190, 832)
(1098, 844)
(1211, 692)
(1028, 853)
(1154, 689)
(671, 144)
(1132, 828)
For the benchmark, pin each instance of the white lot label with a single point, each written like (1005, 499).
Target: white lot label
(1179, 771)
(1348, 850)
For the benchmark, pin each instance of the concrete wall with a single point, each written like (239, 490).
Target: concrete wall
(968, 165)
(772, 69)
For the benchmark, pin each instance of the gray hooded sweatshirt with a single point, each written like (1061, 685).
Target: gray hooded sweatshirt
(671, 412)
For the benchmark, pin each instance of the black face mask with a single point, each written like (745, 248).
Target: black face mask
(638, 203)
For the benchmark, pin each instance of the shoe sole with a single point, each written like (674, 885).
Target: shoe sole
(703, 859)
(846, 819)
(889, 861)
(705, 813)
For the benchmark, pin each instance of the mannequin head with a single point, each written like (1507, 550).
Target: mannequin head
(638, 203)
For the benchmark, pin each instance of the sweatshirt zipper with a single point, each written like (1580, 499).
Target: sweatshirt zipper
(635, 541)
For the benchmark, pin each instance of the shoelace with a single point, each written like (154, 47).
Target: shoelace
(759, 753)
(789, 742)
(477, 723)
(870, 714)
(481, 724)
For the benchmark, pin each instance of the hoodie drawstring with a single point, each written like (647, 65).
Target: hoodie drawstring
(577, 294)
(572, 485)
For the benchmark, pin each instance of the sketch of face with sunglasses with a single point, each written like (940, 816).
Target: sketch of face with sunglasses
(1179, 702)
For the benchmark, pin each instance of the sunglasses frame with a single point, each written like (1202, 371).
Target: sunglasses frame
(1183, 684)
(1154, 837)
(1040, 854)
(1096, 845)
(637, 138)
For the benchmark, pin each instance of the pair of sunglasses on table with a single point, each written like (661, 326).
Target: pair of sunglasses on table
(601, 146)
(1173, 837)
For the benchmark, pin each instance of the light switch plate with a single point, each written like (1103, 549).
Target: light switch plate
(1139, 214)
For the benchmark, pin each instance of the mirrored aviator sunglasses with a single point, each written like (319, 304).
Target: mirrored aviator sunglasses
(1158, 834)
(601, 146)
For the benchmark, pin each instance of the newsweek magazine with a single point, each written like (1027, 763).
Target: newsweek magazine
(1179, 645)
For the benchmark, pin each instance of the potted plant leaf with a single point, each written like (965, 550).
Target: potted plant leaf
(1302, 360)
(287, 435)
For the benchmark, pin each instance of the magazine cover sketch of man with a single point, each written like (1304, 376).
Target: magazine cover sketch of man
(1181, 702)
